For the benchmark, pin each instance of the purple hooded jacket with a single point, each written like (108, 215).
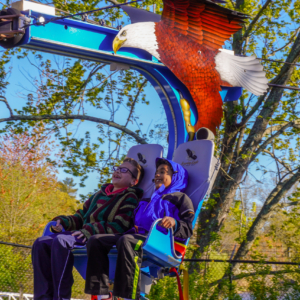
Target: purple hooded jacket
(171, 202)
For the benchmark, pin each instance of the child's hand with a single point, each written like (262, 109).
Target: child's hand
(58, 227)
(80, 235)
(167, 222)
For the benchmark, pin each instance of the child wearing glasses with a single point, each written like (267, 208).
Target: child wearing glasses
(109, 211)
(169, 203)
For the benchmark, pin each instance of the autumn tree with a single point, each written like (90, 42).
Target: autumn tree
(30, 194)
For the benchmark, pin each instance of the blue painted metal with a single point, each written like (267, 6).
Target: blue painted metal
(159, 247)
(233, 93)
(88, 41)
(47, 228)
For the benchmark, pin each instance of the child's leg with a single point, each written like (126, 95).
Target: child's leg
(41, 261)
(62, 261)
(128, 277)
(97, 271)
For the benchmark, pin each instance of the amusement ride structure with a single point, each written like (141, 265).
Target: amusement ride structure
(181, 54)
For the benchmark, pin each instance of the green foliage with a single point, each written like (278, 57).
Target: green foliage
(253, 281)
(15, 269)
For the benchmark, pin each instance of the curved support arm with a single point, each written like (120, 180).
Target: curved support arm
(47, 230)
(161, 245)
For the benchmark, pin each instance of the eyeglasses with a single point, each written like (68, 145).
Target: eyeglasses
(123, 170)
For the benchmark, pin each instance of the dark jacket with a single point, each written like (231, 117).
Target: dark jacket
(104, 214)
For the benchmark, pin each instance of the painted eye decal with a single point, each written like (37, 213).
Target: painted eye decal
(124, 33)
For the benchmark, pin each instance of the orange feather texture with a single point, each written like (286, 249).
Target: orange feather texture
(189, 36)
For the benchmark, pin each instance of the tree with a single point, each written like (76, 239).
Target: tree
(256, 128)
(29, 191)
(67, 186)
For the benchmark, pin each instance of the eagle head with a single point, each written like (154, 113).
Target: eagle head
(138, 35)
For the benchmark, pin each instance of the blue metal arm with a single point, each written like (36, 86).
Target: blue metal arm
(160, 246)
(47, 230)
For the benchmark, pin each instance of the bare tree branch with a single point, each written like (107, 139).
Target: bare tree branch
(270, 139)
(135, 100)
(279, 126)
(7, 105)
(279, 160)
(283, 205)
(291, 40)
(254, 109)
(75, 117)
(92, 73)
(114, 2)
(254, 21)
(238, 145)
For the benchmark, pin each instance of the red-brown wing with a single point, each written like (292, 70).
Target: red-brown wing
(202, 20)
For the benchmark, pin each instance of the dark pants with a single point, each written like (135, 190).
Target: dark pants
(53, 261)
(127, 276)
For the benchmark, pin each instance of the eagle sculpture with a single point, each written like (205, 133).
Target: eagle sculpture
(189, 40)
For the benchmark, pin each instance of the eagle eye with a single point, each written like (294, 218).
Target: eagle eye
(124, 33)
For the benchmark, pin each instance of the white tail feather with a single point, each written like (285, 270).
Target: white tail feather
(246, 72)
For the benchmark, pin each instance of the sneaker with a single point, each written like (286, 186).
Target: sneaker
(111, 297)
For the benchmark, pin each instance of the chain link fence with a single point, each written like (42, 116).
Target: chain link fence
(245, 280)
(16, 274)
(212, 279)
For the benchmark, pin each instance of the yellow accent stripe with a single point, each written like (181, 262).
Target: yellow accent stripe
(185, 285)
(181, 245)
(136, 277)
(185, 282)
(138, 245)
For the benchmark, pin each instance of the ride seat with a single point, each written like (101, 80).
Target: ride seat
(197, 157)
(146, 156)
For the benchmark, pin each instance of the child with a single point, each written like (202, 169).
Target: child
(109, 211)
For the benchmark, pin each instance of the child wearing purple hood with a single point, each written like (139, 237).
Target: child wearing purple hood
(169, 203)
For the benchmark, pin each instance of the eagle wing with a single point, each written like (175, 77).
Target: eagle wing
(242, 71)
(190, 35)
(202, 20)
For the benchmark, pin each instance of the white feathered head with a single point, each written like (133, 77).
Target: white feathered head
(138, 35)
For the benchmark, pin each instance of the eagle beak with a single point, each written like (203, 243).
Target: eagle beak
(117, 44)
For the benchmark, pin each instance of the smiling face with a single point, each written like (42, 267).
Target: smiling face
(163, 175)
(121, 180)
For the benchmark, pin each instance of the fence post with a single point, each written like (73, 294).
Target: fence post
(230, 269)
(230, 275)
(21, 291)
